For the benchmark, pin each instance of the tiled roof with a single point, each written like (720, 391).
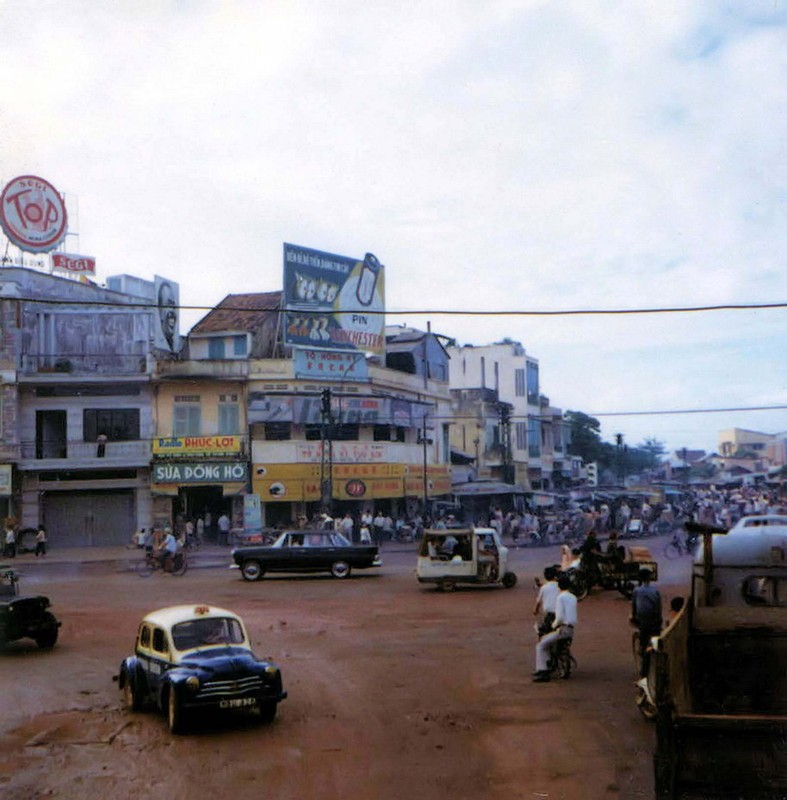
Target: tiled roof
(239, 312)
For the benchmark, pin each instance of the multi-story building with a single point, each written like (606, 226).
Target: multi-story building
(318, 429)
(77, 405)
(738, 441)
(510, 420)
(201, 448)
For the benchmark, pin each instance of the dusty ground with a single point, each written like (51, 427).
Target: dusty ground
(396, 691)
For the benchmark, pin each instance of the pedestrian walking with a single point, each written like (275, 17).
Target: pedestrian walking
(9, 543)
(41, 541)
(224, 530)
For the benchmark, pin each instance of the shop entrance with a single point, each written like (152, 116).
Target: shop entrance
(207, 502)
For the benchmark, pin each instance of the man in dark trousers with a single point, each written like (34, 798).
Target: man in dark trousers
(646, 615)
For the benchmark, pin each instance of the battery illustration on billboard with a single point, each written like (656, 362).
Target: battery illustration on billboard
(333, 302)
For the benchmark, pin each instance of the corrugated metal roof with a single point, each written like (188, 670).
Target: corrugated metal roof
(239, 312)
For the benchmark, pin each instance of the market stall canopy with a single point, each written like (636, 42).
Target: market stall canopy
(480, 488)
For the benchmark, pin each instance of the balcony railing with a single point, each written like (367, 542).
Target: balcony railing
(87, 452)
(84, 364)
(196, 368)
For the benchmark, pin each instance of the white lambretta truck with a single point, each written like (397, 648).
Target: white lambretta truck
(464, 555)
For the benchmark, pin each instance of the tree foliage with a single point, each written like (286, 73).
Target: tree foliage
(586, 442)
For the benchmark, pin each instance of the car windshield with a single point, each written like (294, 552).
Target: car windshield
(207, 631)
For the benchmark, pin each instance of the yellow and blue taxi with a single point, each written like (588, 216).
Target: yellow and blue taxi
(197, 659)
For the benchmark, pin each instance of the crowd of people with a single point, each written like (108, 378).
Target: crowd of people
(557, 610)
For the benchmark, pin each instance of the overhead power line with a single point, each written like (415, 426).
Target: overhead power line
(429, 311)
(686, 411)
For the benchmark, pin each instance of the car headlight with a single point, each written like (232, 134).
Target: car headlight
(192, 682)
(271, 670)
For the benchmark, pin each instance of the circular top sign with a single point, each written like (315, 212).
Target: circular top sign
(33, 214)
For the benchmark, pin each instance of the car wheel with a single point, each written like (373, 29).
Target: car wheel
(175, 713)
(509, 580)
(447, 586)
(131, 697)
(267, 711)
(252, 570)
(340, 569)
(47, 638)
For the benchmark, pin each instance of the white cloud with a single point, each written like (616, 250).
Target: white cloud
(506, 155)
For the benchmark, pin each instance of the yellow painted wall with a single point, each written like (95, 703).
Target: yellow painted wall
(209, 392)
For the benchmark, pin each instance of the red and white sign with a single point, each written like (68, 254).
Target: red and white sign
(85, 265)
(33, 214)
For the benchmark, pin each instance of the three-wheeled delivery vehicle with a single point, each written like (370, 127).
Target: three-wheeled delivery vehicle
(463, 555)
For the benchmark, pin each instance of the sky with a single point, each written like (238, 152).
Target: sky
(504, 156)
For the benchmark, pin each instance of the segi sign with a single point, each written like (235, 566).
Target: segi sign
(207, 472)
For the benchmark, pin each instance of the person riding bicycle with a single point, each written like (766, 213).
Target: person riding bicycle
(646, 615)
(547, 600)
(562, 628)
(167, 548)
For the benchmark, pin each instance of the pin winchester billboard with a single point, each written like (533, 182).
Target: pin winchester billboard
(333, 302)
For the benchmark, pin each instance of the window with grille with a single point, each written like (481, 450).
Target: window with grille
(187, 419)
(229, 418)
(117, 424)
(278, 431)
(519, 383)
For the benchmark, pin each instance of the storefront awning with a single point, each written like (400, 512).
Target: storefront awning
(481, 488)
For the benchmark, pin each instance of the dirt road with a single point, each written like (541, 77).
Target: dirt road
(395, 691)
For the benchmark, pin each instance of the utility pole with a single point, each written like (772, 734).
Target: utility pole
(505, 440)
(326, 451)
(426, 479)
(619, 451)
(685, 469)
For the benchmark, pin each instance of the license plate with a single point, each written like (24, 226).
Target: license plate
(238, 702)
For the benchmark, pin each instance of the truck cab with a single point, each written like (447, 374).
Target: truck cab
(719, 671)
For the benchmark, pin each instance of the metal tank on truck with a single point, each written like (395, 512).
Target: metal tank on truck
(719, 671)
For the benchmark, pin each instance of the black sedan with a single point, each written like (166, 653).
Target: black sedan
(306, 551)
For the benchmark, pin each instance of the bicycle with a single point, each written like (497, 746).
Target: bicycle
(176, 564)
(561, 662)
(677, 548)
(192, 542)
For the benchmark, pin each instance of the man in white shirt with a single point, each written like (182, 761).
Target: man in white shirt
(167, 548)
(562, 628)
(224, 530)
(546, 602)
(346, 526)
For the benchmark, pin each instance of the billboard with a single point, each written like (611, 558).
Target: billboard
(33, 214)
(330, 365)
(166, 335)
(333, 302)
(345, 410)
(66, 262)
